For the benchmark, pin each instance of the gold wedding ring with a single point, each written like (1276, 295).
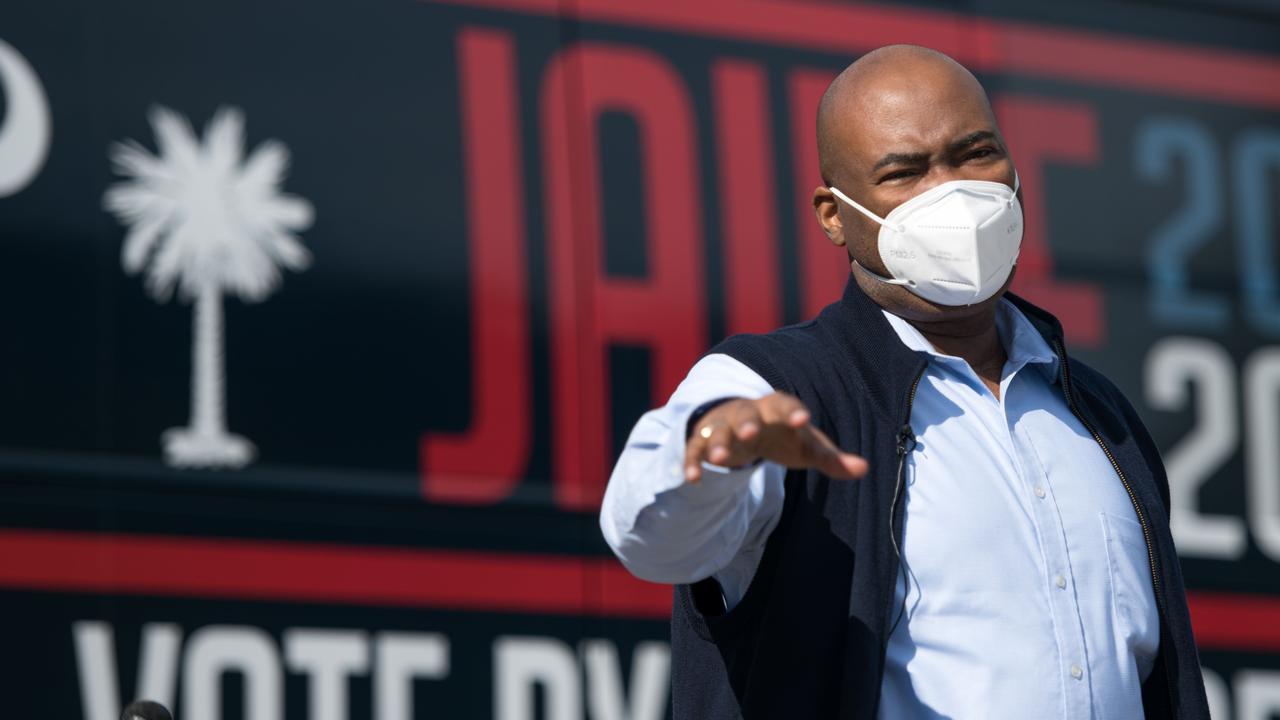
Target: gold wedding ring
(705, 432)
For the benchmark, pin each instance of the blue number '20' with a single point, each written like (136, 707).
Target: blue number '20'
(1162, 143)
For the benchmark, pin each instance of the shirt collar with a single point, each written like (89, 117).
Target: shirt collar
(1022, 343)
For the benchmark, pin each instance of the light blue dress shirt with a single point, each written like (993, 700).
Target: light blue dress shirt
(1028, 591)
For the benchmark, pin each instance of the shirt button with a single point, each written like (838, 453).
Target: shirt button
(1039, 491)
(1076, 672)
(1060, 581)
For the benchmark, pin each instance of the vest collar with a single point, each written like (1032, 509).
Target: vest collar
(890, 368)
(859, 325)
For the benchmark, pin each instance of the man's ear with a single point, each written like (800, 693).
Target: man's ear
(827, 209)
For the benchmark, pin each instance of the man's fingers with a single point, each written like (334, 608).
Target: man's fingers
(745, 421)
(785, 409)
(719, 438)
(716, 438)
(828, 458)
(854, 466)
(693, 457)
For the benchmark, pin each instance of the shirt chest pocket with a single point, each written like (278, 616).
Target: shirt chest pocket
(1132, 596)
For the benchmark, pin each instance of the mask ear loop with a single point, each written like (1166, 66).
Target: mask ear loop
(863, 210)
(877, 218)
(883, 279)
(1017, 185)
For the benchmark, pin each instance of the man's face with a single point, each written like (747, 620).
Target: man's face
(897, 137)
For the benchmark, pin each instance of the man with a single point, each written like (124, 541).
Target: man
(915, 505)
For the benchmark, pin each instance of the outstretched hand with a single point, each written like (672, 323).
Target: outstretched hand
(775, 428)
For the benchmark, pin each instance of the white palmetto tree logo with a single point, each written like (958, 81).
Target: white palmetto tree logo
(205, 221)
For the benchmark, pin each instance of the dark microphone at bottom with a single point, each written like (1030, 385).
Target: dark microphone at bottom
(145, 710)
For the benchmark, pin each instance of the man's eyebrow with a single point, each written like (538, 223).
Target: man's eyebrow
(953, 147)
(900, 159)
(971, 139)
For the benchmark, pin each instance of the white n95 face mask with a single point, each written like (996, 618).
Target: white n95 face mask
(954, 244)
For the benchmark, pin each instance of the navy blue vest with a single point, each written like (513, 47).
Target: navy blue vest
(807, 639)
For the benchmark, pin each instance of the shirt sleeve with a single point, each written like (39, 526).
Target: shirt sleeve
(664, 529)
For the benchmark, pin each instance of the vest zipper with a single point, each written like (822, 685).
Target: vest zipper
(1067, 391)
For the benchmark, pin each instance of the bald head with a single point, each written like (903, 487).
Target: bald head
(880, 89)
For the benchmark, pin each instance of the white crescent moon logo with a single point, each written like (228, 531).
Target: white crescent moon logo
(24, 136)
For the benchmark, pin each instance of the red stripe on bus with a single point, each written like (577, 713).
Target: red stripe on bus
(984, 44)
(1235, 621)
(120, 564)
(325, 573)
